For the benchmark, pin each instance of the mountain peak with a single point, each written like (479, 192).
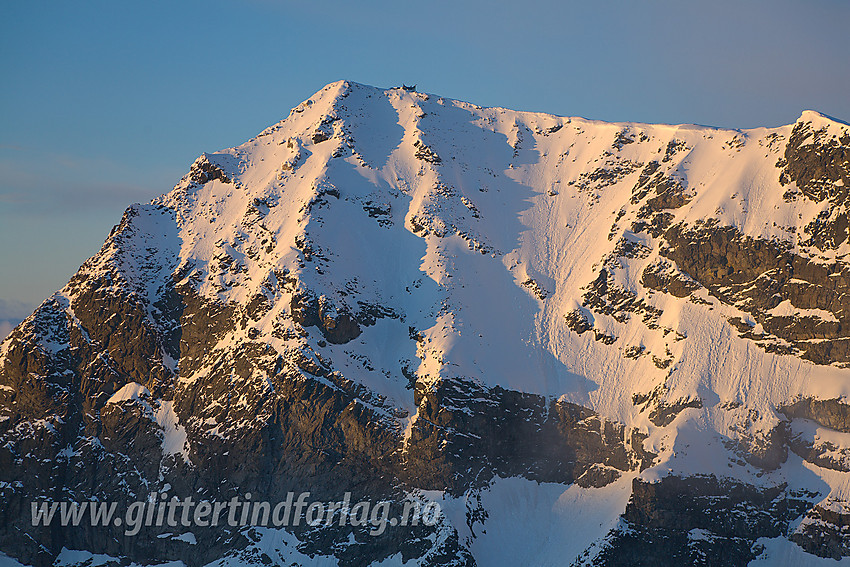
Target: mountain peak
(819, 119)
(393, 292)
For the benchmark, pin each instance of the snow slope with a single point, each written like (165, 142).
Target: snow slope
(504, 205)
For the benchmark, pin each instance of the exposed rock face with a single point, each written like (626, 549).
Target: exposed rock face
(818, 162)
(411, 299)
(833, 414)
(824, 532)
(465, 435)
(203, 172)
(699, 521)
(337, 327)
(757, 276)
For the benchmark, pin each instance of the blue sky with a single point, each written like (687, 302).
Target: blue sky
(106, 103)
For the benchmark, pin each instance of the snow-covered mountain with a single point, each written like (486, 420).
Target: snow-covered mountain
(591, 343)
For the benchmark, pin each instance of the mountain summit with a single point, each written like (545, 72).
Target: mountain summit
(590, 343)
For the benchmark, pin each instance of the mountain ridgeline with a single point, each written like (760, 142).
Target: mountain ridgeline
(591, 343)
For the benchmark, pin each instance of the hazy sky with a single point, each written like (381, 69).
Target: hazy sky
(107, 103)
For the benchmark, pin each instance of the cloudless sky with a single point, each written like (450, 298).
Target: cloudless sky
(104, 104)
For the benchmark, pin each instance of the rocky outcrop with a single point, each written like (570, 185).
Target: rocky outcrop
(698, 521)
(463, 436)
(665, 278)
(203, 171)
(337, 326)
(756, 276)
(825, 533)
(833, 413)
(818, 164)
